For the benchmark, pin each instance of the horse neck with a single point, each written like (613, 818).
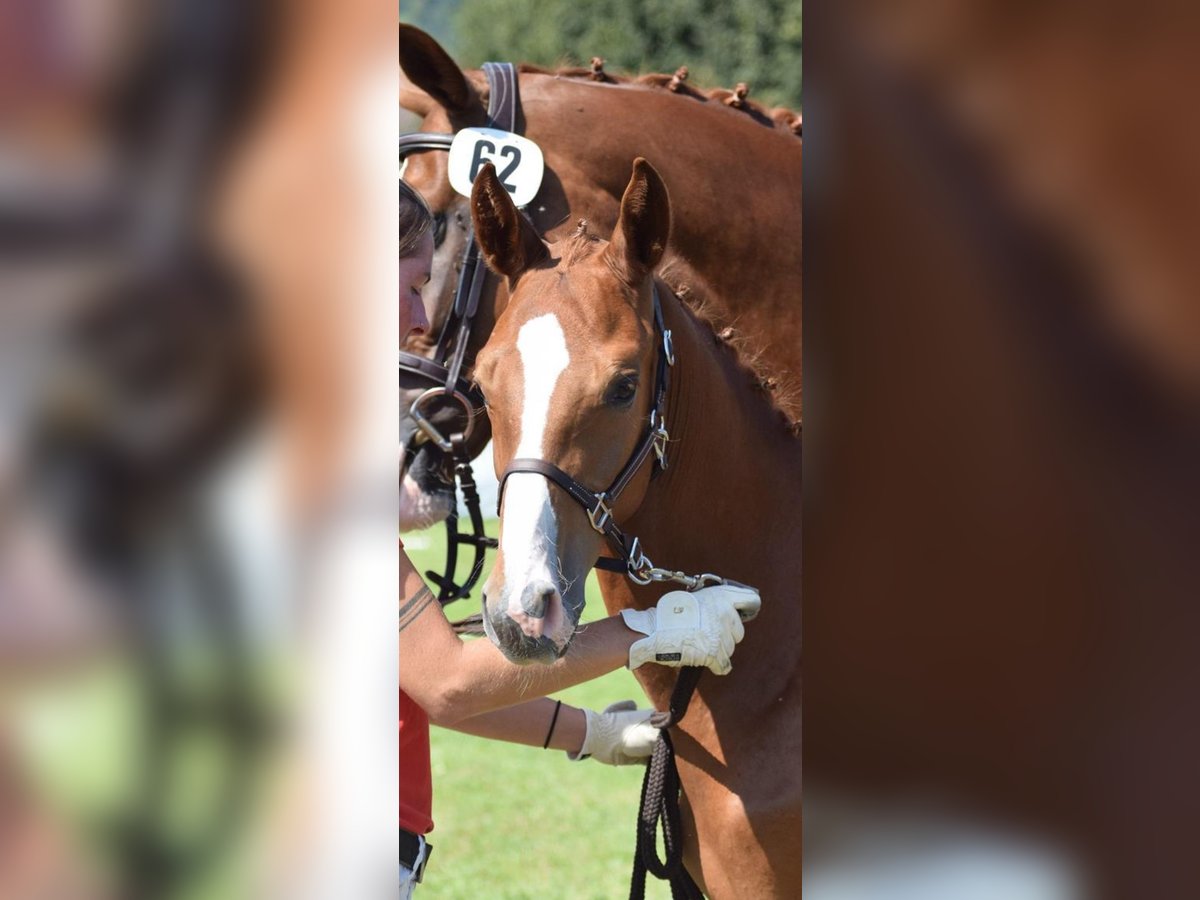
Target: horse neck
(735, 196)
(733, 471)
(682, 137)
(729, 504)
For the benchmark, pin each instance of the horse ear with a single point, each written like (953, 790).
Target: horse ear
(507, 239)
(430, 68)
(643, 227)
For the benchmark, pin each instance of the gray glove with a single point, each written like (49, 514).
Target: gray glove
(619, 736)
(692, 629)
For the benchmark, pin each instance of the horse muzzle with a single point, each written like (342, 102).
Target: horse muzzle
(535, 627)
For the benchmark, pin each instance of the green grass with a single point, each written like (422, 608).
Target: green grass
(516, 822)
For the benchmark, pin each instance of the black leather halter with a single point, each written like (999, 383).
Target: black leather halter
(599, 504)
(444, 370)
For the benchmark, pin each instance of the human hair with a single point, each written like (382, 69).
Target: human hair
(415, 218)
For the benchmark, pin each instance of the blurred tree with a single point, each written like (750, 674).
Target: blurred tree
(721, 42)
(435, 17)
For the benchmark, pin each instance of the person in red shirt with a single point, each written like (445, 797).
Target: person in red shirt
(471, 687)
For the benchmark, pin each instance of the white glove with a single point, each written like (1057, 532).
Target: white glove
(620, 736)
(692, 629)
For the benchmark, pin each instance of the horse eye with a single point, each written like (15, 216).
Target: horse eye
(439, 229)
(622, 391)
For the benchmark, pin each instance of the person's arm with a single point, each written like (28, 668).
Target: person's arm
(620, 735)
(452, 679)
(529, 723)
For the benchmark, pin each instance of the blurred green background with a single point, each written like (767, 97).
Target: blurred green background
(511, 821)
(756, 41)
(515, 822)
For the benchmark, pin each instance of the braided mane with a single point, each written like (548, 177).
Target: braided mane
(780, 118)
(782, 389)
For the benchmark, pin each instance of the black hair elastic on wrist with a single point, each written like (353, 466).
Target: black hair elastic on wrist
(553, 721)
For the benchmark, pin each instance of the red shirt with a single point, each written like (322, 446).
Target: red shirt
(416, 779)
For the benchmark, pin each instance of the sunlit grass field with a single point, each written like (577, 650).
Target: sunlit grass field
(514, 822)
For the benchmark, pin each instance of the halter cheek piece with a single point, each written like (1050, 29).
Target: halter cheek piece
(599, 504)
(444, 369)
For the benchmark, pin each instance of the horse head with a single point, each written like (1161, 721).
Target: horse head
(569, 375)
(446, 100)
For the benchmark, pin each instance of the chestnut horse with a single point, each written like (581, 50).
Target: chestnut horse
(571, 375)
(736, 170)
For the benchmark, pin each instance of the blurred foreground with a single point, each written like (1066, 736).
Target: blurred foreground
(1003, 435)
(197, 463)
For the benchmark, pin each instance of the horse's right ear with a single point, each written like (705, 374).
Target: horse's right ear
(507, 239)
(432, 70)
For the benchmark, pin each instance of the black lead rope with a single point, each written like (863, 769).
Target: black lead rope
(660, 803)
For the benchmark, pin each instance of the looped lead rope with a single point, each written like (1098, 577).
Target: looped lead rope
(660, 803)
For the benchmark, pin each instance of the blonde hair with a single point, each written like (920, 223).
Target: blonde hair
(415, 219)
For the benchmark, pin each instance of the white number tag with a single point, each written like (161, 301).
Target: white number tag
(518, 161)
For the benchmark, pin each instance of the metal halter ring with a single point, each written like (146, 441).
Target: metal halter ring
(428, 427)
(638, 565)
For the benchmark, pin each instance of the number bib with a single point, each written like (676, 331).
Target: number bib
(518, 161)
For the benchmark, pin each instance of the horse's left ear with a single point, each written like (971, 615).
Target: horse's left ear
(644, 225)
(432, 70)
(507, 239)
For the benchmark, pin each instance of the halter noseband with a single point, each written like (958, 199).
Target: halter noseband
(444, 370)
(599, 504)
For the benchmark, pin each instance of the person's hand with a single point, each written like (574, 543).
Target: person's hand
(619, 736)
(692, 629)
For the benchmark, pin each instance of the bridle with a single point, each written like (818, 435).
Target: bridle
(630, 558)
(599, 504)
(444, 369)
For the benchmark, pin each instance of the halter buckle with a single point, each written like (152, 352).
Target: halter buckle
(668, 347)
(600, 514)
(660, 438)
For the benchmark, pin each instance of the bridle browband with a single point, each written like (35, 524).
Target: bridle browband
(444, 369)
(599, 504)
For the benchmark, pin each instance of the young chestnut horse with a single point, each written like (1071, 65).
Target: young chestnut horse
(570, 373)
(736, 169)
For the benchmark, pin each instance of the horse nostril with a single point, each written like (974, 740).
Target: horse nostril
(537, 598)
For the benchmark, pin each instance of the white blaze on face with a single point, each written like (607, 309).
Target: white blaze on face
(528, 532)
